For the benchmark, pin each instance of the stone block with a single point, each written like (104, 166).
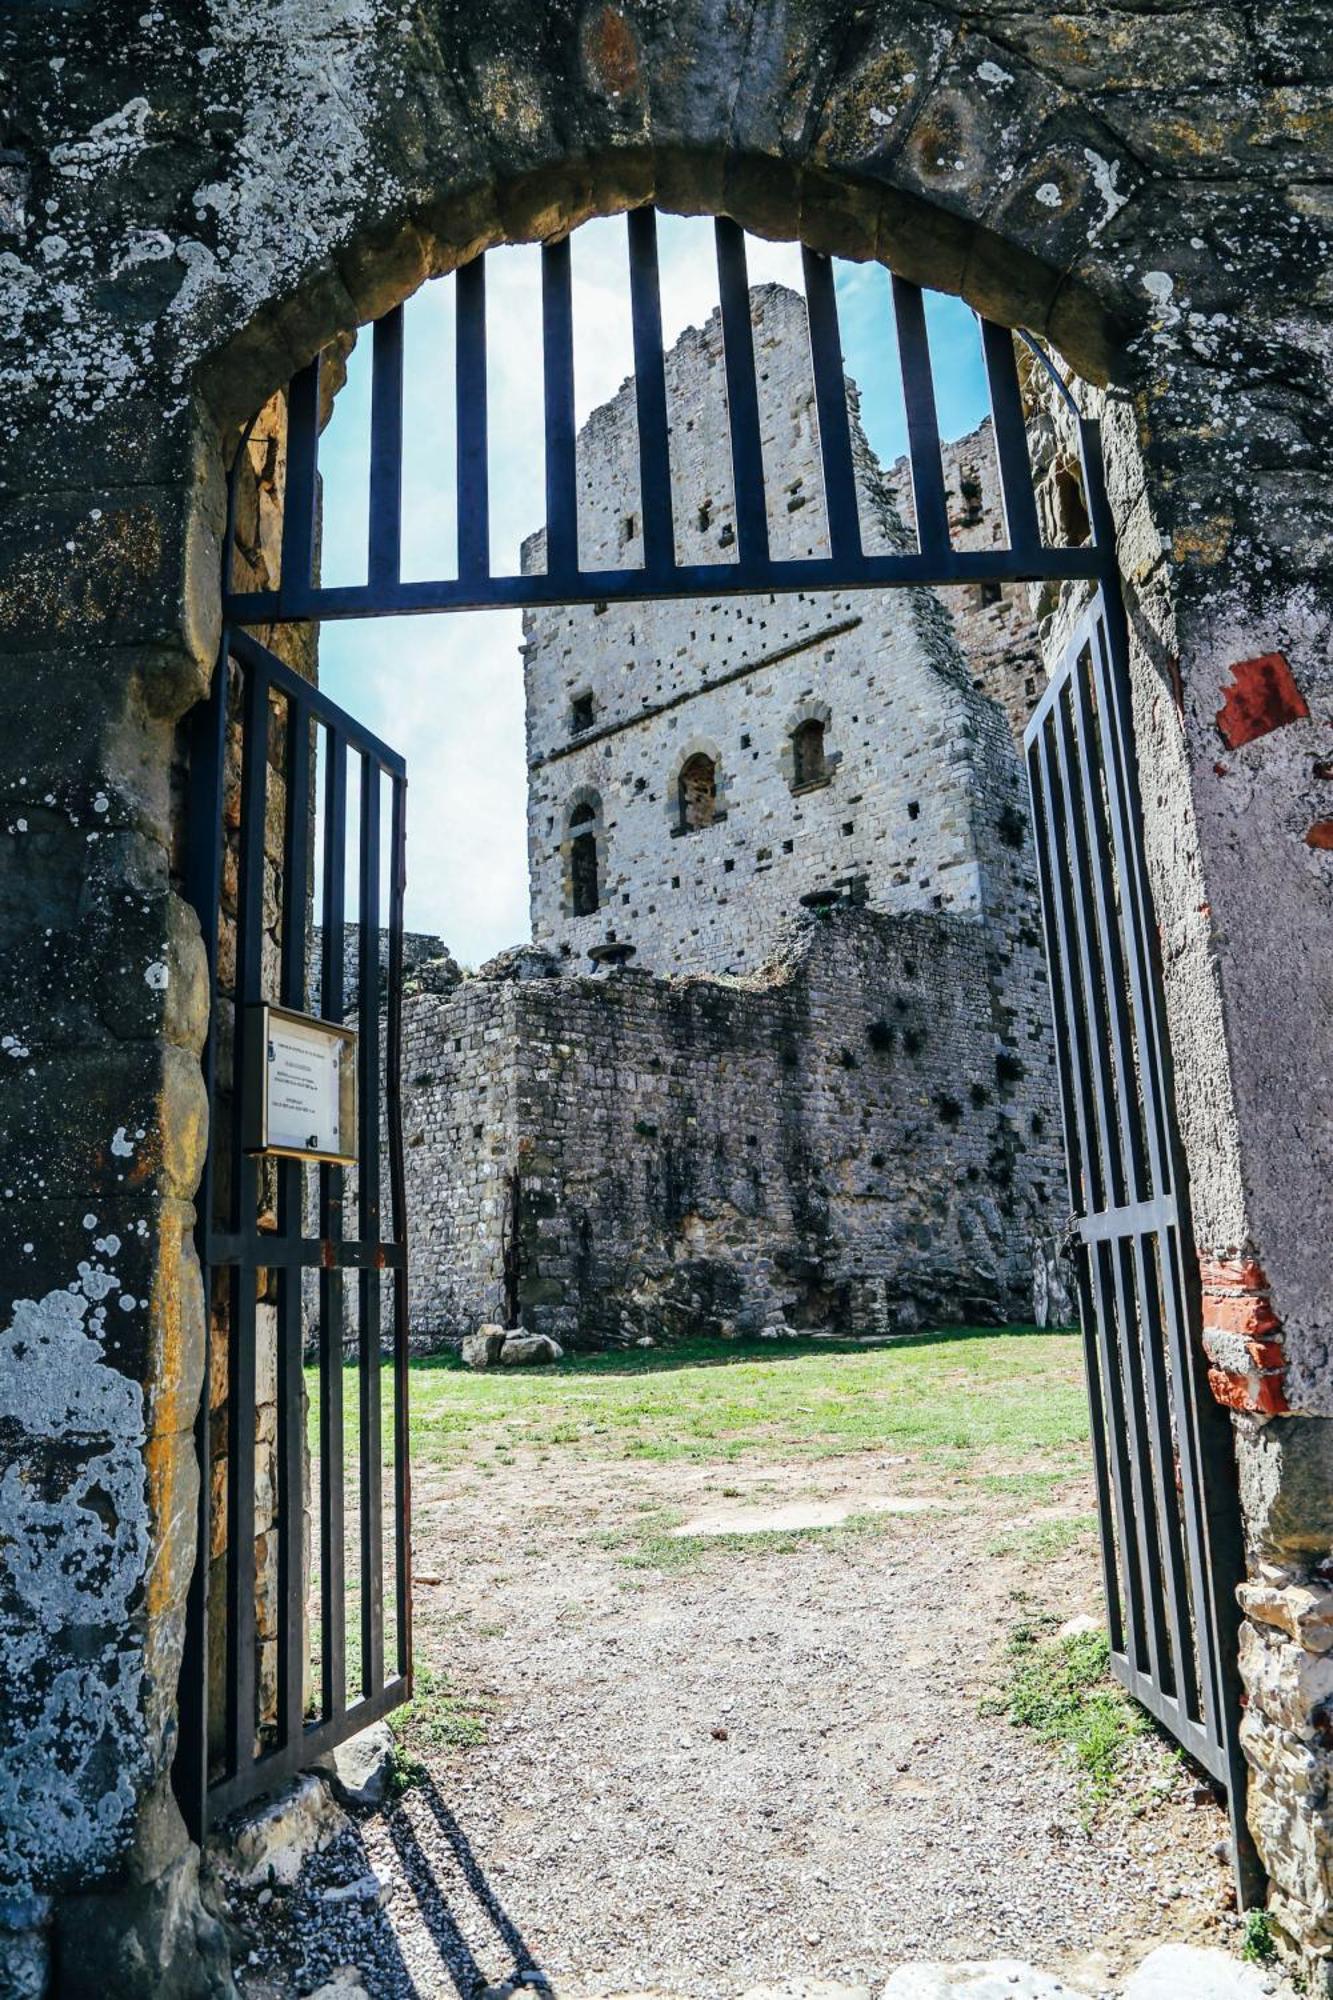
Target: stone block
(270, 1843)
(156, 1938)
(524, 1350)
(1286, 1487)
(483, 1348)
(360, 1769)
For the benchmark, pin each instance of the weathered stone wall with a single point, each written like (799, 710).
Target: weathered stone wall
(190, 206)
(418, 947)
(836, 1141)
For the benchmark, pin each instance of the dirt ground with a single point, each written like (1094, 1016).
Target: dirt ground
(713, 1761)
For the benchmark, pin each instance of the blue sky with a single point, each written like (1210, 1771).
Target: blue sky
(447, 690)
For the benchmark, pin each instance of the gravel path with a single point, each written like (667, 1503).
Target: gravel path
(765, 1764)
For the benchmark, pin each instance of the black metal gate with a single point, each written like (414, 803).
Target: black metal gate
(1163, 1458)
(274, 766)
(1168, 1508)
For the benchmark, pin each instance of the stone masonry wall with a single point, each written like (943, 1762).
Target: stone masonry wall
(834, 1142)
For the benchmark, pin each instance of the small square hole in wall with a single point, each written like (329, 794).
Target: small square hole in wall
(849, 826)
(787, 846)
(728, 867)
(624, 899)
(914, 809)
(675, 881)
(477, 1131)
(745, 742)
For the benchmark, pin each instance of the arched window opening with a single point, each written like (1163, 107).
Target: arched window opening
(585, 888)
(1070, 506)
(698, 792)
(808, 756)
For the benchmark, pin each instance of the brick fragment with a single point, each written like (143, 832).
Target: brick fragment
(1260, 1394)
(1320, 834)
(1240, 1274)
(1236, 1301)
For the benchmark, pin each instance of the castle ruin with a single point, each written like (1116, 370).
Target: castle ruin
(779, 1052)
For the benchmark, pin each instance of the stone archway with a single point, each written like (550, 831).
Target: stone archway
(163, 282)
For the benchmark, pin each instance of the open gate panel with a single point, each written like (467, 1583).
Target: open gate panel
(296, 1256)
(1168, 1510)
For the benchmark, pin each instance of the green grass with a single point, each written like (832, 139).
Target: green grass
(1062, 1689)
(1045, 1541)
(435, 1719)
(953, 1399)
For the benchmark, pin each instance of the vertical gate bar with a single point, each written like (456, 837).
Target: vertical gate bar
(1047, 862)
(747, 451)
(1210, 1482)
(923, 430)
(472, 471)
(1110, 1335)
(1011, 444)
(1100, 1406)
(1092, 967)
(1119, 1257)
(562, 499)
(659, 540)
(296, 575)
(240, 1650)
(239, 1723)
(1169, 1509)
(1104, 1189)
(1121, 976)
(332, 1181)
(368, 1230)
(384, 564)
(1071, 1038)
(1194, 1479)
(393, 1095)
(1110, 658)
(291, 1227)
(1074, 1146)
(1113, 704)
(835, 434)
(203, 887)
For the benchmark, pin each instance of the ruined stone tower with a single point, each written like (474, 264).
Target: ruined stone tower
(695, 770)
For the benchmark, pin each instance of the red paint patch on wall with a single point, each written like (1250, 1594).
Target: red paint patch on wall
(1262, 697)
(1320, 834)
